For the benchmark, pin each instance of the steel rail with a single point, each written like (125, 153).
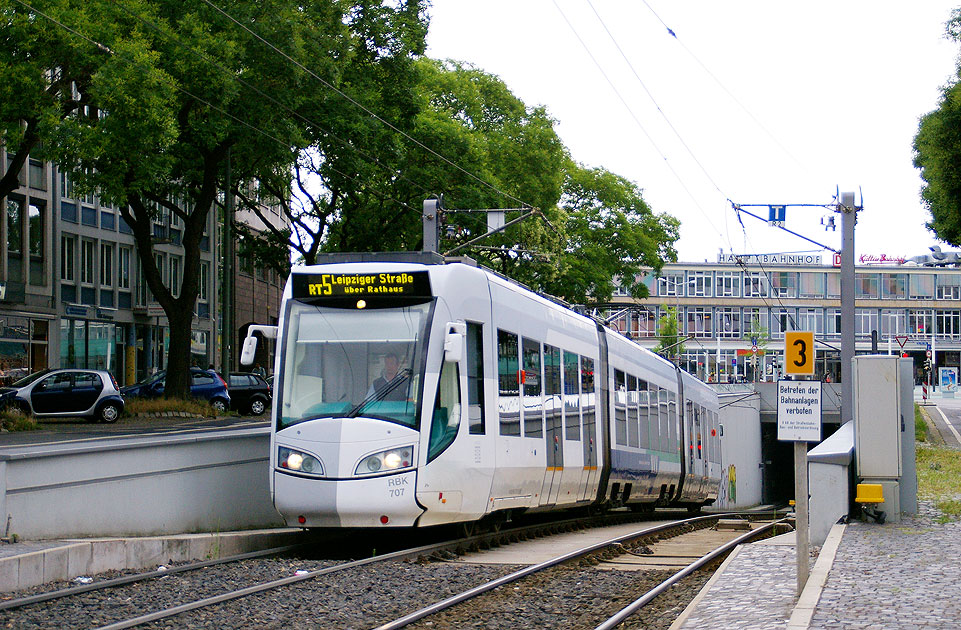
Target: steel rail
(139, 577)
(645, 599)
(483, 588)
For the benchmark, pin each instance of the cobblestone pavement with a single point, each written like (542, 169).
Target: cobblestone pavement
(755, 592)
(896, 576)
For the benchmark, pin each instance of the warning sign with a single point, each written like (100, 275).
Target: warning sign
(799, 411)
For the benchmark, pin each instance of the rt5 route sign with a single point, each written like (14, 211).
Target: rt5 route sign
(799, 353)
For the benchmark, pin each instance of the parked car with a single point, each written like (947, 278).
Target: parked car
(249, 393)
(204, 384)
(51, 393)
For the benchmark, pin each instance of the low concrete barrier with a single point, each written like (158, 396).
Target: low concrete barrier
(829, 480)
(138, 486)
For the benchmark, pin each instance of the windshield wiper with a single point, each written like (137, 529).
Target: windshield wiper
(379, 394)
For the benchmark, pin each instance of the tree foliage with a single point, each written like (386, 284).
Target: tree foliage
(611, 235)
(175, 89)
(937, 152)
(474, 142)
(670, 342)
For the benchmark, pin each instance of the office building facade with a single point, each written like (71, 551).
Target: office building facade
(72, 293)
(735, 312)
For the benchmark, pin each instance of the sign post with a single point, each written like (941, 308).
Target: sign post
(799, 421)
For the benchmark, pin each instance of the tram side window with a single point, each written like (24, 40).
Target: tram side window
(508, 399)
(533, 401)
(587, 396)
(689, 425)
(572, 397)
(475, 378)
(553, 403)
(446, 417)
(632, 410)
(644, 418)
(673, 419)
(620, 408)
(664, 430)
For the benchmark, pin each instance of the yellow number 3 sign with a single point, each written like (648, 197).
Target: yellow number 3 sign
(799, 352)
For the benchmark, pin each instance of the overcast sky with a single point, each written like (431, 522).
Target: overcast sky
(772, 102)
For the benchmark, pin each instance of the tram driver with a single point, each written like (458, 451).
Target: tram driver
(388, 386)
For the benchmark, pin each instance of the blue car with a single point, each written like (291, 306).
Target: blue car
(51, 393)
(204, 384)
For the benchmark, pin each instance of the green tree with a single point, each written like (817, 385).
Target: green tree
(180, 89)
(45, 73)
(612, 234)
(670, 343)
(937, 152)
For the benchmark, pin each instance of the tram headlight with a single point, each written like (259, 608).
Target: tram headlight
(386, 461)
(298, 461)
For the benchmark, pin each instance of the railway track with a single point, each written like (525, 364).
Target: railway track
(286, 592)
(554, 580)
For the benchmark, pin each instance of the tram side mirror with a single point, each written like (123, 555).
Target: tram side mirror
(454, 342)
(249, 350)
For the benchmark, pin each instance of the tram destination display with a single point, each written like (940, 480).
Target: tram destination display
(340, 285)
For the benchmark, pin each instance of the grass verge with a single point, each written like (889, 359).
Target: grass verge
(154, 406)
(13, 420)
(939, 479)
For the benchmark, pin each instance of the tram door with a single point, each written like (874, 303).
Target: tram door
(554, 428)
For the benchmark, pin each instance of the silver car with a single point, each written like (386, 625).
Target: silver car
(67, 392)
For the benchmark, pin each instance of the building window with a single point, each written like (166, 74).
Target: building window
(729, 322)
(919, 322)
(811, 319)
(699, 321)
(921, 286)
(646, 323)
(949, 286)
(782, 321)
(68, 252)
(755, 284)
(867, 285)
(37, 239)
(671, 284)
(728, 284)
(66, 186)
(175, 276)
(106, 264)
(834, 285)
(202, 287)
(894, 286)
(948, 323)
(700, 284)
(86, 261)
(160, 260)
(812, 285)
(15, 208)
(893, 322)
(123, 268)
(755, 323)
(37, 174)
(784, 284)
(834, 322)
(865, 321)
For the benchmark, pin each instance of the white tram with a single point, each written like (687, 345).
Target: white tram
(411, 394)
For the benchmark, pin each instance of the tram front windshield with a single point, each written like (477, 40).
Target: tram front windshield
(346, 363)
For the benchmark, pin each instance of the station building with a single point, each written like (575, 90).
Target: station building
(72, 293)
(737, 309)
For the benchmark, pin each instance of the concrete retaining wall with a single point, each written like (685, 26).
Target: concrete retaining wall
(139, 486)
(740, 450)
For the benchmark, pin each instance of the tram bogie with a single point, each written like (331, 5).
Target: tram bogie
(424, 394)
